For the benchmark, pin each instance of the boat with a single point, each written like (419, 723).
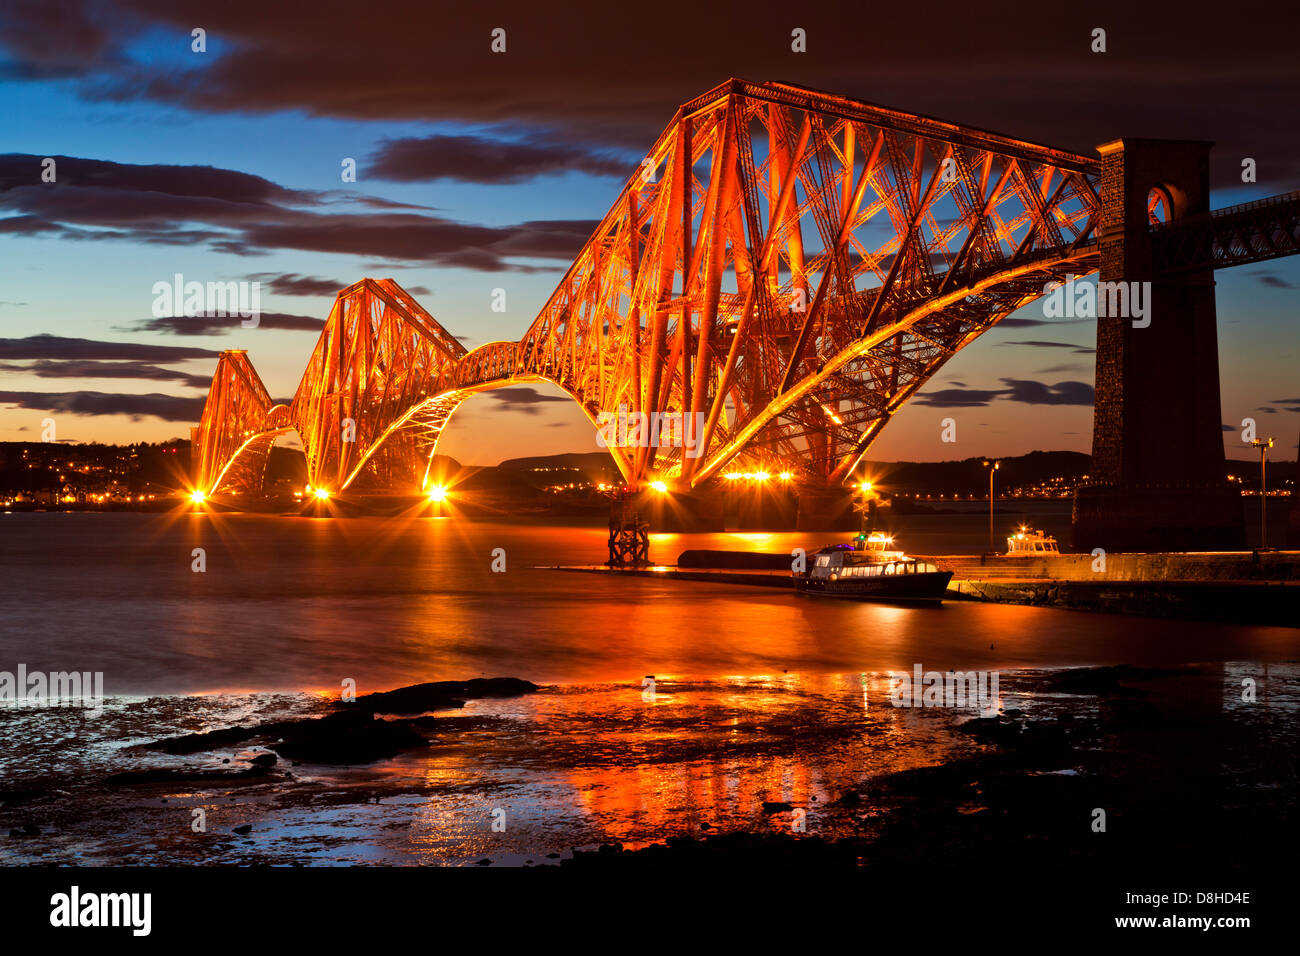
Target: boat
(1030, 543)
(871, 569)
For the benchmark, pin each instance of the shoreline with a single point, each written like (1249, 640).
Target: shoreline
(570, 781)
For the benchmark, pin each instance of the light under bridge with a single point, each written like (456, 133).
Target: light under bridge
(786, 267)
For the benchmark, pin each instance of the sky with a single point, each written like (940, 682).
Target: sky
(478, 171)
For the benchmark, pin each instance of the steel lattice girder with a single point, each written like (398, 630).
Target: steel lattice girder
(1238, 235)
(775, 240)
(788, 265)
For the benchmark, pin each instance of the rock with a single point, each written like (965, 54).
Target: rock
(265, 760)
(343, 737)
(359, 737)
(775, 806)
(183, 775)
(242, 829)
(11, 798)
(197, 743)
(850, 799)
(26, 830)
(484, 862)
(440, 695)
(1105, 681)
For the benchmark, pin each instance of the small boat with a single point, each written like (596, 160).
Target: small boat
(871, 569)
(1030, 543)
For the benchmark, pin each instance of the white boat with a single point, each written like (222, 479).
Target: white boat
(1030, 543)
(871, 569)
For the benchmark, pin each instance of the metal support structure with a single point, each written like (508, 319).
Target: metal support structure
(629, 534)
(785, 270)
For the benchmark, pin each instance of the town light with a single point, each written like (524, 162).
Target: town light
(786, 476)
(761, 475)
(322, 493)
(659, 486)
(197, 497)
(437, 493)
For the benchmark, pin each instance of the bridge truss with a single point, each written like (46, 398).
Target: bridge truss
(784, 270)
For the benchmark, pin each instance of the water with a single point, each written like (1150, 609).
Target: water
(299, 604)
(760, 694)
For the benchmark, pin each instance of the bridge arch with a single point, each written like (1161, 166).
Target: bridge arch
(799, 264)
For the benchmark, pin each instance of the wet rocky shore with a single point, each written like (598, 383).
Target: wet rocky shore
(1107, 772)
(1189, 798)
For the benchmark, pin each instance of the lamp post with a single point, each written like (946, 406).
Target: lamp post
(992, 466)
(1263, 444)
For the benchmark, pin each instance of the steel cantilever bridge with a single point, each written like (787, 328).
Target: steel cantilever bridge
(787, 267)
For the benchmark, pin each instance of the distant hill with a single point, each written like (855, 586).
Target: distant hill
(969, 476)
(595, 466)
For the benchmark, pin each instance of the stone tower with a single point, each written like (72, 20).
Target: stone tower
(1157, 477)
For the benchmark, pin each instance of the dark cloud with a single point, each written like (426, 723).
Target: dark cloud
(957, 397)
(291, 283)
(51, 41)
(97, 369)
(1273, 282)
(1025, 391)
(1018, 323)
(100, 192)
(1067, 367)
(403, 236)
(222, 324)
(294, 284)
(609, 72)
(167, 407)
(1041, 344)
(478, 159)
(524, 399)
(1037, 393)
(46, 346)
(241, 214)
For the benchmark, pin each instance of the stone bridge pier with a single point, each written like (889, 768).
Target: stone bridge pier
(1157, 477)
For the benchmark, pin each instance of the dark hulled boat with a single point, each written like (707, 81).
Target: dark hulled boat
(870, 569)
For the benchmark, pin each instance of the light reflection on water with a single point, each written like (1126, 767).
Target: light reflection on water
(761, 695)
(571, 766)
(301, 604)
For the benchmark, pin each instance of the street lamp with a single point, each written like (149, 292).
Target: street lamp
(1263, 444)
(992, 466)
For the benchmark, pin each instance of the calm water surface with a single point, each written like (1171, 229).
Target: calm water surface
(302, 604)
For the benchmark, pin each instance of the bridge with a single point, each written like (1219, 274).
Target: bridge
(783, 271)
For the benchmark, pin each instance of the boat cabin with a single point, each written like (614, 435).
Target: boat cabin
(1026, 541)
(839, 561)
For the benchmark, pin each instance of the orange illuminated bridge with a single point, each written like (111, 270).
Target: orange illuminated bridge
(785, 268)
